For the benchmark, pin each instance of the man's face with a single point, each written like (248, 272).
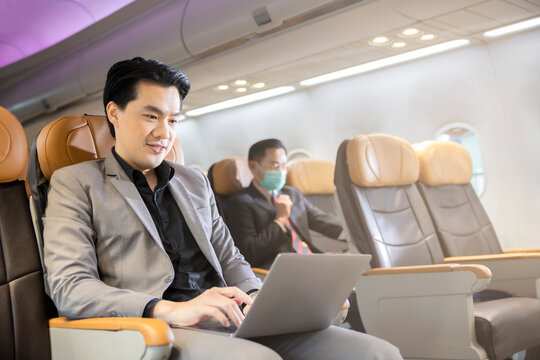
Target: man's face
(146, 128)
(275, 159)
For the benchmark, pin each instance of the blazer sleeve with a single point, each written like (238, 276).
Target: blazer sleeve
(70, 256)
(318, 220)
(236, 270)
(259, 246)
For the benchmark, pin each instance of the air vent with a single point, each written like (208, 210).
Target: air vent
(261, 16)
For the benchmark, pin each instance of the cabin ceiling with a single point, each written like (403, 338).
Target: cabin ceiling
(306, 38)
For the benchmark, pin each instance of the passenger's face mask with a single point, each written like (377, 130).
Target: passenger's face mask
(274, 180)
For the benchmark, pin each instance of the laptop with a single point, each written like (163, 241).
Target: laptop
(302, 292)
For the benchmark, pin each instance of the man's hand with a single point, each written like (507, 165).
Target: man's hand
(218, 304)
(283, 205)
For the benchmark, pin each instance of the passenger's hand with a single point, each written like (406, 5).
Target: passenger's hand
(283, 205)
(217, 304)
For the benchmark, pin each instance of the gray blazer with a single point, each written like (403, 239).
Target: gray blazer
(103, 253)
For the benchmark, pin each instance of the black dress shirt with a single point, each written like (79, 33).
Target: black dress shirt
(193, 273)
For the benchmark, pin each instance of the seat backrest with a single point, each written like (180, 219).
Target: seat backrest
(70, 140)
(460, 220)
(315, 179)
(227, 177)
(381, 206)
(24, 331)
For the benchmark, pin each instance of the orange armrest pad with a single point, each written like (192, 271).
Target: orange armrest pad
(481, 272)
(531, 250)
(154, 331)
(511, 256)
(259, 271)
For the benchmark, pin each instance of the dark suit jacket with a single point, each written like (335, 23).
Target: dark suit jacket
(250, 218)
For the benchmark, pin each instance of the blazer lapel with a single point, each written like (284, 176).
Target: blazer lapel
(260, 200)
(182, 198)
(129, 192)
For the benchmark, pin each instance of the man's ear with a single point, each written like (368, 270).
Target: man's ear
(253, 167)
(112, 113)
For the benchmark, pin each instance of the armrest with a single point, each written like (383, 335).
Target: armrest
(426, 311)
(259, 271)
(481, 272)
(155, 332)
(516, 273)
(529, 250)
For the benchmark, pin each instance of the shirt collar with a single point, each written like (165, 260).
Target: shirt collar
(164, 172)
(264, 191)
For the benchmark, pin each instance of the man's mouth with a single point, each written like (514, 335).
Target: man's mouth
(158, 149)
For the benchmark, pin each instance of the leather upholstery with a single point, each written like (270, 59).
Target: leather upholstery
(443, 163)
(13, 147)
(311, 176)
(377, 160)
(231, 175)
(500, 324)
(87, 137)
(461, 222)
(390, 222)
(393, 224)
(24, 331)
(315, 179)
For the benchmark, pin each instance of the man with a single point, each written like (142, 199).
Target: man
(134, 235)
(268, 218)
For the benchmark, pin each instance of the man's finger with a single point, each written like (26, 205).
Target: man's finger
(236, 293)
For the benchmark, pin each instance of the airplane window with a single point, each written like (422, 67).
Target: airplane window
(299, 154)
(465, 135)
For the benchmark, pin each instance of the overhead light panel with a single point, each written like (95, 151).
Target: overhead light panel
(241, 90)
(392, 60)
(259, 85)
(223, 87)
(240, 83)
(427, 37)
(380, 40)
(522, 25)
(411, 32)
(241, 100)
(398, 45)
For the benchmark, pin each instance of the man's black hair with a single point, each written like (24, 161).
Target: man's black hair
(123, 77)
(257, 151)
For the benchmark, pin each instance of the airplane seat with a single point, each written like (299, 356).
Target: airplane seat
(464, 229)
(227, 177)
(24, 333)
(462, 224)
(412, 299)
(67, 141)
(315, 179)
(63, 142)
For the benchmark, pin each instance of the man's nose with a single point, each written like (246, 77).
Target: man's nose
(161, 130)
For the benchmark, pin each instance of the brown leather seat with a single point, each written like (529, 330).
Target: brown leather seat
(461, 222)
(70, 140)
(315, 179)
(24, 331)
(386, 217)
(226, 178)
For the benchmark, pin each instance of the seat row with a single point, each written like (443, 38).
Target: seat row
(414, 210)
(408, 209)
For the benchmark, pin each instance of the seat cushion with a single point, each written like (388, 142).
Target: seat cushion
(506, 326)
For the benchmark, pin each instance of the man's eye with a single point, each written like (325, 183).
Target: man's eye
(152, 117)
(173, 121)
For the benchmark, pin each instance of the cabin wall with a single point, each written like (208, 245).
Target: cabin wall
(493, 86)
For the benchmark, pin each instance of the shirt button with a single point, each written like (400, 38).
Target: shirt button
(168, 279)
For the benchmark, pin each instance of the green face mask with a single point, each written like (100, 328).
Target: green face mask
(274, 180)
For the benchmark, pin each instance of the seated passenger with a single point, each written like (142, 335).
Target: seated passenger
(268, 218)
(134, 235)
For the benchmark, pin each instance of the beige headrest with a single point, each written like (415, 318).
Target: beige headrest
(13, 148)
(311, 176)
(231, 175)
(378, 160)
(74, 139)
(443, 163)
